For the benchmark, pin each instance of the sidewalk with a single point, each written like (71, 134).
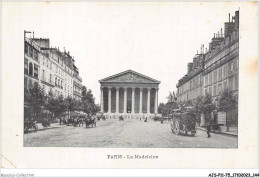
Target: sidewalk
(232, 130)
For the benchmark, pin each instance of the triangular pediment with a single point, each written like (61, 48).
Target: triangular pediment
(129, 76)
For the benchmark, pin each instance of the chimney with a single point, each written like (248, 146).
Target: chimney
(218, 34)
(229, 18)
(33, 34)
(203, 49)
(221, 34)
(214, 35)
(236, 19)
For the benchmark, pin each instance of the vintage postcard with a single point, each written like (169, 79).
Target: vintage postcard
(129, 85)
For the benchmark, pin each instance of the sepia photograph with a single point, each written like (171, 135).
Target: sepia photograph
(130, 85)
(200, 109)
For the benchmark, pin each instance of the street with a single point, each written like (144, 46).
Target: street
(125, 134)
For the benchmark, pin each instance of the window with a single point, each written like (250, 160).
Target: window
(35, 55)
(236, 82)
(225, 84)
(31, 51)
(61, 84)
(215, 75)
(50, 78)
(215, 90)
(225, 71)
(55, 81)
(210, 90)
(25, 66)
(220, 73)
(219, 88)
(35, 71)
(58, 83)
(232, 67)
(25, 82)
(30, 69)
(210, 78)
(231, 84)
(25, 48)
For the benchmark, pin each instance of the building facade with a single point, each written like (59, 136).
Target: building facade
(51, 68)
(218, 69)
(129, 94)
(77, 87)
(191, 85)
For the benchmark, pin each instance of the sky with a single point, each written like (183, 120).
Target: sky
(156, 39)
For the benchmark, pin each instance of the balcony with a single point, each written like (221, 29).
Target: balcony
(48, 82)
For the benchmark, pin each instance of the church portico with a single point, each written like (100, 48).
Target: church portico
(129, 94)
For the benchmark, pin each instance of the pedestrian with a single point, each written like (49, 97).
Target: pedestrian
(208, 130)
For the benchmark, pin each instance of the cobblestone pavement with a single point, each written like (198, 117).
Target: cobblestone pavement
(125, 134)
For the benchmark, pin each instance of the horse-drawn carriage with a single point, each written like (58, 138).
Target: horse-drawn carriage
(90, 121)
(183, 122)
(30, 125)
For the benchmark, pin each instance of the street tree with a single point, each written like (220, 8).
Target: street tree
(35, 99)
(88, 101)
(70, 105)
(206, 106)
(227, 102)
(171, 97)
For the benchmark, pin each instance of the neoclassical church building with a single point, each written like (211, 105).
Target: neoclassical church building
(129, 94)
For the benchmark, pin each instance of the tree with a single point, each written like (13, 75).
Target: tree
(206, 106)
(56, 105)
(70, 104)
(196, 104)
(35, 99)
(88, 101)
(172, 97)
(227, 102)
(161, 108)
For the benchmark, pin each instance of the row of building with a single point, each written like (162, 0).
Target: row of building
(54, 70)
(213, 69)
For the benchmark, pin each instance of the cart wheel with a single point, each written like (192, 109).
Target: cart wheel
(172, 128)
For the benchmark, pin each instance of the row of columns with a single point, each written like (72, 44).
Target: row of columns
(125, 100)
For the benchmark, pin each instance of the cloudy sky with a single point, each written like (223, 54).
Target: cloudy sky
(155, 39)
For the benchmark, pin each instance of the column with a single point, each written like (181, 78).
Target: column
(133, 100)
(109, 100)
(156, 101)
(117, 99)
(101, 100)
(125, 99)
(148, 100)
(141, 101)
